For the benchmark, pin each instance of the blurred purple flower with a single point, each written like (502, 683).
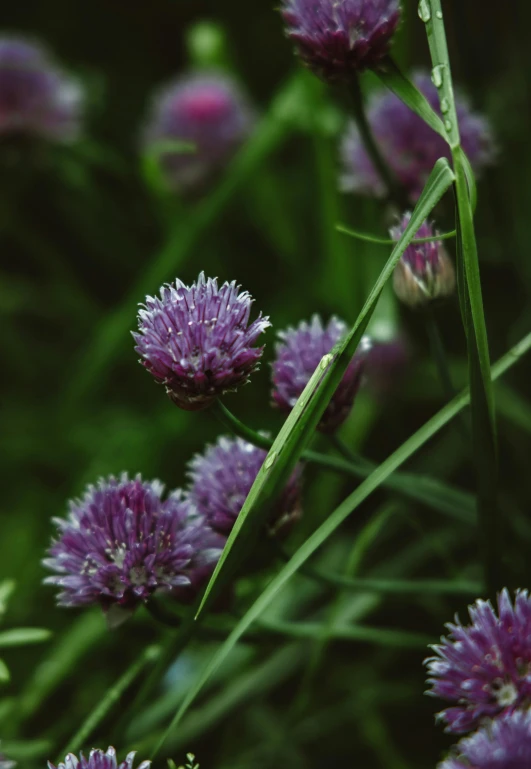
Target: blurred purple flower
(337, 40)
(36, 98)
(484, 668)
(197, 340)
(297, 356)
(425, 272)
(122, 542)
(387, 363)
(504, 743)
(221, 479)
(207, 111)
(409, 146)
(98, 759)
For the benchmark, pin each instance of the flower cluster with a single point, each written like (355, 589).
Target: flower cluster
(222, 477)
(98, 759)
(297, 356)
(36, 98)
(207, 111)
(504, 743)
(337, 40)
(197, 340)
(409, 146)
(425, 271)
(122, 542)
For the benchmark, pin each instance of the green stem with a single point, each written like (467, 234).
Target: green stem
(439, 354)
(113, 695)
(442, 497)
(394, 190)
(471, 300)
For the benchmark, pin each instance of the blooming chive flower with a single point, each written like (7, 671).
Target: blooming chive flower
(505, 743)
(206, 111)
(425, 272)
(484, 668)
(197, 340)
(122, 542)
(338, 39)
(97, 759)
(222, 477)
(36, 98)
(297, 356)
(409, 146)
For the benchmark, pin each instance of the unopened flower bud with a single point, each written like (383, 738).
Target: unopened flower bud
(425, 272)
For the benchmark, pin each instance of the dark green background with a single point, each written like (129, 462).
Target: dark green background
(77, 234)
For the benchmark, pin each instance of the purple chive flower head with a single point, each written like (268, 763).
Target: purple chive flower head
(36, 98)
(504, 743)
(338, 39)
(485, 667)
(298, 354)
(409, 146)
(197, 340)
(425, 272)
(222, 477)
(122, 541)
(206, 111)
(98, 759)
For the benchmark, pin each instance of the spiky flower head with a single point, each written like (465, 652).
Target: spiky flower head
(504, 743)
(409, 146)
(485, 667)
(298, 354)
(425, 272)
(221, 478)
(338, 39)
(36, 98)
(197, 340)
(122, 542)
(98, 759)
(209, 112)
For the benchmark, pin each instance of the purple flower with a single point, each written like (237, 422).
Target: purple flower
(338, 39)
(297, 356)
(122, 542)
(504, 743)
(484, 668)
(36, 98)
(222, 477)
(207, 111)
(387, 363)
(99, 760)
(425, 272)
(197, 341)
(409, 146)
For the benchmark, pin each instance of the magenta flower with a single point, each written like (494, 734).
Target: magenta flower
(36, 98)
(504, 743)
(122, 542)
(197, 340)
(297, 356)
(425, 272)
(97, 759)
(338, 39)
(484, 668)
(207, 111)
(409, 146)
(221, 479)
